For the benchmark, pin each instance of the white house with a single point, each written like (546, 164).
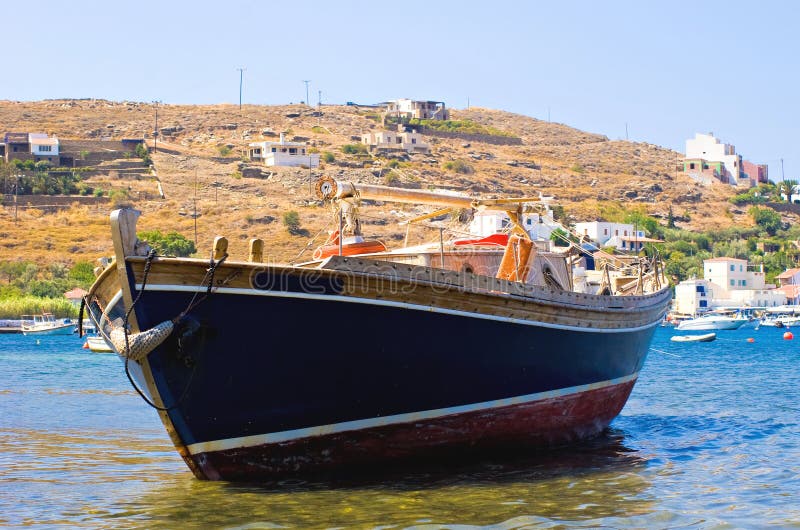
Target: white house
(732, 274)
(410, 141)
(283, 153)
(621, 236)
(488, 222)
(708, 148)
(423, 110)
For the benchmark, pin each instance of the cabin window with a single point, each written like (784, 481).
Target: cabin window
(700, 288)
(605, 231)
(292, 150)
(733, 268)
(691, 165)
(741, 268)
(625, 233)
(733, 283)
(274, 149)
(616, 232)
(413, 140)
(703, 303)
(529, 222)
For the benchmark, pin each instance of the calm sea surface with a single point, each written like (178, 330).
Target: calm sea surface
(709, 439)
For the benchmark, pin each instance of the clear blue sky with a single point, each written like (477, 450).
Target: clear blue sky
(666, 69)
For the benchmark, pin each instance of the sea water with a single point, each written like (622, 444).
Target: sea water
(710, 438)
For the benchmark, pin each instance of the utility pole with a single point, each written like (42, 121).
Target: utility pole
(626, 130)
(307, 81)
(241, 78)
(195, 208)
(155, 131)
(16, 193)
(781, 169)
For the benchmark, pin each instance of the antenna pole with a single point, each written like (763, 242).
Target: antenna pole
(307, 81)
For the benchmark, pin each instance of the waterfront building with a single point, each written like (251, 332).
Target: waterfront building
(727, 282)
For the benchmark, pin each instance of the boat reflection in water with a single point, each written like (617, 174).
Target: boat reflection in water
(263, 370)
(599, 479)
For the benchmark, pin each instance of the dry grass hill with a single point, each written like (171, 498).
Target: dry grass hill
(200, 162)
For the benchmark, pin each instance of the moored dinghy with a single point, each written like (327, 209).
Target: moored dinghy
(705, 337)
(261, 375)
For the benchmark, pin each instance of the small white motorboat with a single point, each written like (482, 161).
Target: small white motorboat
(47, 324)
(713, 321)
(706, 337)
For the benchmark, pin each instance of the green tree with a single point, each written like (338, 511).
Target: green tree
(786, 187)
(82, 273)
(767, 218)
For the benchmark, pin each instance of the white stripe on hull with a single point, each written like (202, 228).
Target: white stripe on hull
(355, 425)
(389, 303)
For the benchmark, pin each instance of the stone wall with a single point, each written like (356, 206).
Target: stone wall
(473, 137)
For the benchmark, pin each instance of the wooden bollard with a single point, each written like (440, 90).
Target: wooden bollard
(256, 250)
(220, 247)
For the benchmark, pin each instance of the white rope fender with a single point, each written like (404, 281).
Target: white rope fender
(142, 343)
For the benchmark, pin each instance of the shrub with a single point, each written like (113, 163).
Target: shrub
(291, 220)
(458, 166)
(170, 244)
(354, 149)
(328, 157)
(224, 150)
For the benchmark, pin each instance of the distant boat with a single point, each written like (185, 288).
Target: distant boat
(97, 344)
(713, 321)
(47, 324)
(706, 337)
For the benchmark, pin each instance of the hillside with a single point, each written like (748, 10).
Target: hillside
(199, 164)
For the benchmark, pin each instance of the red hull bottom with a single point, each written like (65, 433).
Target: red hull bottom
(547, 422)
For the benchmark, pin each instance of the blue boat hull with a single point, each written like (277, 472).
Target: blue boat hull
(271, 385)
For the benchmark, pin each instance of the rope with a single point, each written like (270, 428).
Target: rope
(80, 317)
(192, 304)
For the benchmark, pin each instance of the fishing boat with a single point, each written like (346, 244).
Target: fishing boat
(47, 324)
(713, 321)
(259, 370)
(97, 344)
(705, 337)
